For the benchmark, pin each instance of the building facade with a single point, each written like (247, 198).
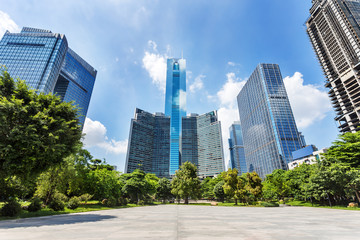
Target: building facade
(44, 60)
(236, 147)
(149, 143)
(189, 140)
(269, 130)
(175, 106)
(308, 155)
(334, 31)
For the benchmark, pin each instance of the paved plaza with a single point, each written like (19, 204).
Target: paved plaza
(189, 222)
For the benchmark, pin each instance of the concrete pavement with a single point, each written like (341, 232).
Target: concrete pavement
(189, 222)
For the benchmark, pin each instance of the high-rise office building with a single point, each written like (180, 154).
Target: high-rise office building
(236, 147)
(210, 148)
(269, 130)
(334, 31)
(149, 143)
(189, 140)
(175, 106)
(44, 60)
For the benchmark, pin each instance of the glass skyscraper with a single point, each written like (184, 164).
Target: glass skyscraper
(175, 106)
(334, 31)
(46, 63)
(269, 130)
(236, 147)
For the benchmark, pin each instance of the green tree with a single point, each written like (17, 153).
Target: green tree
(231, 183)
(37, 130)
(186, 183)
(163, 191)
(253, 185)
(346, 149)
(276, 184)
(353, 184)
(139, 185)
(219, 191)
(241, 193)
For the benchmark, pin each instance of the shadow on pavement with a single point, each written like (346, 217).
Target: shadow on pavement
(53, 220)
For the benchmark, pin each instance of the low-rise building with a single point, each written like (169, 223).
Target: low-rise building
(308, 155)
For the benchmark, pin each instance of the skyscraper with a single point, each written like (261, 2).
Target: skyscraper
(236, 147)
(149, 143)
(175, 106)
(334, 31)
(210, 148)
(46, 63)
(269, 130)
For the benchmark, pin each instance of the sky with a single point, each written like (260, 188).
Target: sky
(222, 41)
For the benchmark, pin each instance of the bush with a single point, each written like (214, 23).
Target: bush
(57, 205)
(141, 202)
(60, 196)
(104, 201)
(122, 201)
(111, 202)
(35, 205)
(85, 197)
(11, 209)
(73, 203)
(269, 204)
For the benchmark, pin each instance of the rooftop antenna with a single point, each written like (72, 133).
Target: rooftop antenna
(182, 54)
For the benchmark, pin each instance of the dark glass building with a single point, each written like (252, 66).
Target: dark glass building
(189, 140)
(334, 31)
(236, 147)
(44, 60)
(269, 130)
(175, 106)
(149, 143)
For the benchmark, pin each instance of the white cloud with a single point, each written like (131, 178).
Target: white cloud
(96, 137)
(231, 64)
(197, 84)
(155, 65)
(6, 23)
(152, 45)
(228, 112)
(308, 102)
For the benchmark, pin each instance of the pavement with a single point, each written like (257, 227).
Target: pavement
(189, 222)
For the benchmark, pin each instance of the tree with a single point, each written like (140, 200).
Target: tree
(346, 149)
(253, 185)
(354, 182)
(37, 130)
(277, 184)
(139, 185)
(163, 191)
(241, 192)
(208, 185)
(231, 183)
(186, 183)
(219, 191)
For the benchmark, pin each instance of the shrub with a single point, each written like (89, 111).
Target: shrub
(73, 203)
(60, 196)
(353, 205)
(104, 201)
(85, 197)
(269, 204)
(111, 202)
(57, 205)
(281, 201)
(35, 205)
(141, 202)
(122, 201)
(11, 209)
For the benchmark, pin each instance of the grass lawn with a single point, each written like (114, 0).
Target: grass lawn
(308, 204)
(90, 206)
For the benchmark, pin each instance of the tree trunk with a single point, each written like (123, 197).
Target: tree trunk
(235, 201)
(186, 200)
(357, 195)
(329, 199)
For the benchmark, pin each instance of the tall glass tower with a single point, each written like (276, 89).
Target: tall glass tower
(175, 107)
(236, 147)
(334, 31)
(269, 130)
(46, 63)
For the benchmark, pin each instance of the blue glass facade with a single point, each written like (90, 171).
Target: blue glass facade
(175, 106)
(236, 147)
(269, 130)
(44, 60)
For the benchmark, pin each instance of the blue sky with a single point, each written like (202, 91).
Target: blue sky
(127, 41)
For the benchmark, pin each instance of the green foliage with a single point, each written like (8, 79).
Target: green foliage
(85, 197)
(208, 185)
(269, 204)
(57, 205)
(346, 149)
(186, 183)
(11, 209)
(73, 203)
(111, 202)
(276, 185)
(35, 205)
(219, 191)
(231, 183)
(104, 183)
(36, 130)
(163, 191)
(253, 185)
